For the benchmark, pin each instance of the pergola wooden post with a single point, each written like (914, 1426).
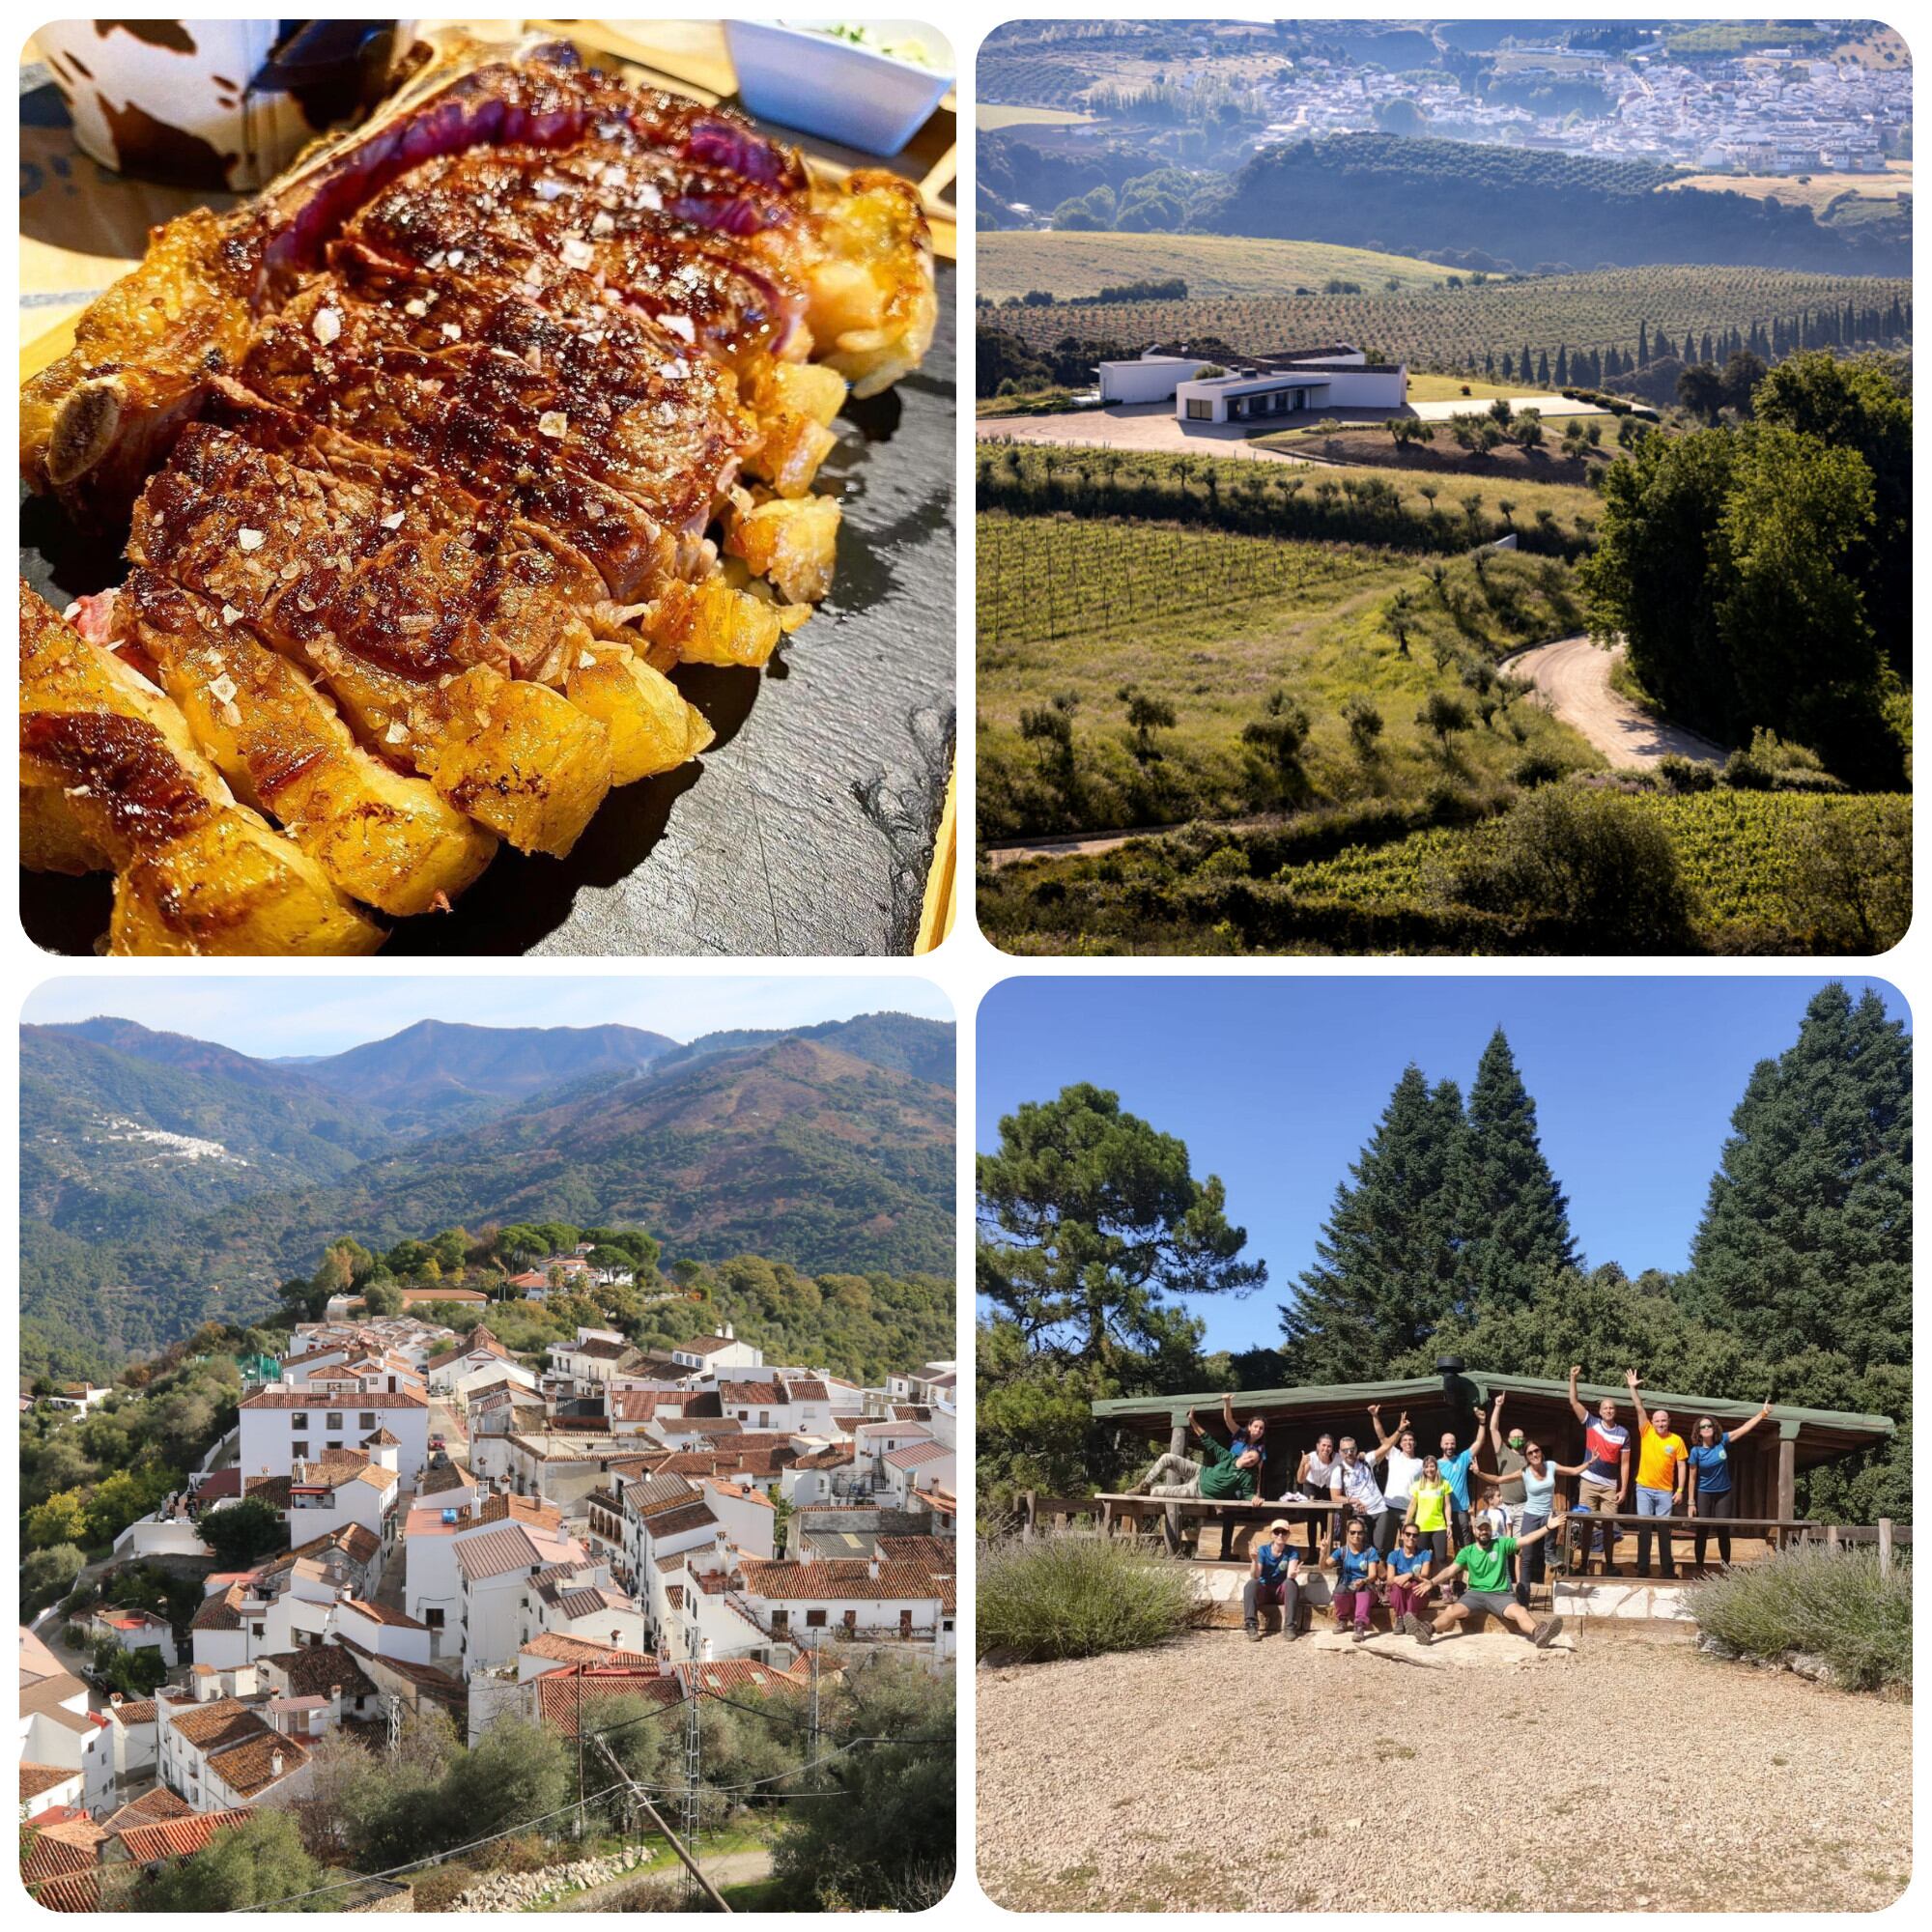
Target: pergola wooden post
(1176, 1443)
(1788, 1471)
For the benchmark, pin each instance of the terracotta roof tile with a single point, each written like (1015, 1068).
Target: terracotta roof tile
(180, 1837)
(250, 1767)
(841, 1579)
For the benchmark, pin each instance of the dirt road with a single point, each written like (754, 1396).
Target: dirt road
(729, 1868)
(1633, 1773)
(1077, 844)
(1573, 676)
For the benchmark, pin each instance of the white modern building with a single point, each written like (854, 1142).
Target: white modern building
(280, 1427)
(1246, 390)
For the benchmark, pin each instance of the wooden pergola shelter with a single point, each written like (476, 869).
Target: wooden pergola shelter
(1763, 1469)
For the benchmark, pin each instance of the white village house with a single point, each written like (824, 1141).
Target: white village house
(1250, 389)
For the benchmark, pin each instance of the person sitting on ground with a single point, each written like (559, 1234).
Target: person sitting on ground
(1712, 1498)
(1428, 1510)
(1358, 1572)
(1408, 1574)
(1453, 1464)
(1313, 1477)
(1275, 1579)
(1539, 1507)
(1663, 1466)
(1604, 1481)
(1354, 1487)
(1485, 1566)
(1222, 1476)
(1401, 1465)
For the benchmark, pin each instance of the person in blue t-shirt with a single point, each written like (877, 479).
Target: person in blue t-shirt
(1712, 1496)
(1408, 1574)
(1358, 1568)
(1451, 1464)
(1275, 1577)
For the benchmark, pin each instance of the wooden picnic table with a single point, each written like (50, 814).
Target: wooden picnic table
(1133, 1507)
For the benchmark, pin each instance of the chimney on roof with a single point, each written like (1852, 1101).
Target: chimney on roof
(704, 1650)
(114, 1699)
(274, 1764)
(873, 1566)
(729, 1333)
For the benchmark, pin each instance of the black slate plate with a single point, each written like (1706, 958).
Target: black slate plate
(807, 826)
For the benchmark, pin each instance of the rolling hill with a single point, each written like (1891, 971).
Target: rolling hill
(1014, 262)
(154, 1197)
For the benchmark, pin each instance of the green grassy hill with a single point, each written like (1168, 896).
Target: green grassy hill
(1083, 264)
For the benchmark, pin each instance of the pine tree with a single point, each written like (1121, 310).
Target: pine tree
(1807, 1239)
(1385, 1269)
(1512, 1215)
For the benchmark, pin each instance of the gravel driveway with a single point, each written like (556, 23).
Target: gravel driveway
(1572, 677)
(1214, 1775)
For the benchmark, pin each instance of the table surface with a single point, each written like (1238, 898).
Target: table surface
(807, 827)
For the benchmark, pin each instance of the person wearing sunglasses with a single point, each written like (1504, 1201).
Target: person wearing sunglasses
(1713, 1499)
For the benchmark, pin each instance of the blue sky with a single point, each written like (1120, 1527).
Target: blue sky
(1274, 1084)
(270, 1015)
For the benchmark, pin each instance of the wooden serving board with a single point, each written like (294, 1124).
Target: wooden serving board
(812, 826)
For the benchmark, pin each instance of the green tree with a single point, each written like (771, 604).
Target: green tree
(48, 1574)
(1511, 1217)
(241, 1533)
(385, 1297)
(1807, 1237)
(1093, 1226)
(61, 1518)
(257, 1865)
(1384, 1276)
(1700, 389)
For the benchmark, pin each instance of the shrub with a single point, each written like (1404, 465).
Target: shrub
(1591, 859)
(1771, 764)
(1079, 1596)
(1685, 774)
(1537, 768)
(1819, 1601)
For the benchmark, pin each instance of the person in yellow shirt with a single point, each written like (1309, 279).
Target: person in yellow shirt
(1428, 1513)
(1662, 1467)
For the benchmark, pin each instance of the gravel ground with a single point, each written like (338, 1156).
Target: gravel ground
(1574, 677)
(1214, 1775)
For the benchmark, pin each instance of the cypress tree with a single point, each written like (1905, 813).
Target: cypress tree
(1384, 1275)
(1512, 1215)
(1807, 1239)
(1563, 365)
(1643, 343)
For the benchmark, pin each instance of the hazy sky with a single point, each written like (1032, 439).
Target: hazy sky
(1275, 1084)
(269, 1014)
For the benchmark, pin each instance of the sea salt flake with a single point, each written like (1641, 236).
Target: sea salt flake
(554, 422)
(222, 690)
(577, 252)
(325, 326)
(456, 258)
(452, 332)
(416, 305)
(648, 198)
(549, 188)
(396, 733)
(393, 522)
(249, 539)
(229, 614)
(587, 661)
(602, 224)
(680, 325)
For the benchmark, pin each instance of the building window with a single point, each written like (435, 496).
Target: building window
(433, 1619)
(814, 1620)
(335, 1419)
(780, 1620)
(367, 1419)
(299, 1418)
(298, 1448)
(1199, 410)
(851, 1620)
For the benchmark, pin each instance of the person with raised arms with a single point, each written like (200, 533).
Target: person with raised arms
(1314, 1476)
(1485, 1564)
(1222, 1476)
(1401, 1465)
(1605, 1481)
(1712, 1498)
(1453, 1464)
(1662, 1465)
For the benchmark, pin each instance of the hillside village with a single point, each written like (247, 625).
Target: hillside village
(461, 1529)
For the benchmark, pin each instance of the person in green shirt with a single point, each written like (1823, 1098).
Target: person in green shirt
(1486, 1566)
(1222, 1476)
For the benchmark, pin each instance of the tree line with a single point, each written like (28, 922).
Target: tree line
(1450, 1234)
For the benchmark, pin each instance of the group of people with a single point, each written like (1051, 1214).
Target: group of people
(1411, 1529)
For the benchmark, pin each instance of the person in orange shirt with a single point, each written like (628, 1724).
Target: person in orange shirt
(1663, 1466)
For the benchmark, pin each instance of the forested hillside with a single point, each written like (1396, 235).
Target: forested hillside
(154, 1198)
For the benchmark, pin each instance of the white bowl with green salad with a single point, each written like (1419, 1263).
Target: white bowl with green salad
(867, 84)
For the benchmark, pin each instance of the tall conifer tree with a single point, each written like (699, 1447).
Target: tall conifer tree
(1385, 1271)
(1807, 1239)
(1512, 1215)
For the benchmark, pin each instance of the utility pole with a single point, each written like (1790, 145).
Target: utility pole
(393, 1715)
(642, 1800)
(812, 1656)
(578, 1675)
(692, 1766)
